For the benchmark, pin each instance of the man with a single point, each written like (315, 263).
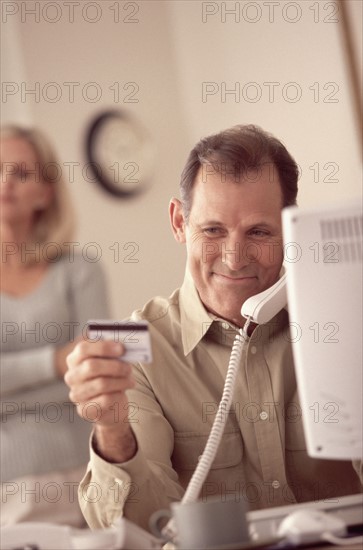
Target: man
(155, 419)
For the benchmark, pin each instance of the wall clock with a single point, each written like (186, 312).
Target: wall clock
(120, 153)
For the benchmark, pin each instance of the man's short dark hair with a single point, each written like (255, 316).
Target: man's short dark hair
(236, 151)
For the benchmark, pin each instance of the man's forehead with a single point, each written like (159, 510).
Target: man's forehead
(215, 199)
(259, 185)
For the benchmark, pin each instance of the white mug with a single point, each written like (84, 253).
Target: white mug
(214, 523)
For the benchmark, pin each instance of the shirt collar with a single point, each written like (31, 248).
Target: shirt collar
(195, 319)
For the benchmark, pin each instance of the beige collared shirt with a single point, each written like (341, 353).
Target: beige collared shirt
(262, 457)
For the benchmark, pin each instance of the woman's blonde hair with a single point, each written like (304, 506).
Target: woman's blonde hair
(54, 225)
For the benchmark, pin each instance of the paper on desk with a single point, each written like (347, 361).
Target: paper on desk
(47, 536)
(42, 535)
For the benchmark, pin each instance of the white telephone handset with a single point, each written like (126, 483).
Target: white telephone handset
(262, 307)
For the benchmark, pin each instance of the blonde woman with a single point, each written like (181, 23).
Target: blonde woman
(48, 292)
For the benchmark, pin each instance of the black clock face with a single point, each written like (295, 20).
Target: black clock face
(120, 153)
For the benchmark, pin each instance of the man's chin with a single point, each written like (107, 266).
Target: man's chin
(227, 302)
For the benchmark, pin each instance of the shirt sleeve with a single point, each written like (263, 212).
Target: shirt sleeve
(109, 491)
(146, 483)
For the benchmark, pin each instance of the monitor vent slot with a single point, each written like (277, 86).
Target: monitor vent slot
(342, 239)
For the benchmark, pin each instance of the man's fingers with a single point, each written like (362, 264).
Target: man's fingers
(110, 407)
(97, 388)
(101, 348)
(98, 380)
(95, 367)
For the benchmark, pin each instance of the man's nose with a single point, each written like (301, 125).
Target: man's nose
(233, 253)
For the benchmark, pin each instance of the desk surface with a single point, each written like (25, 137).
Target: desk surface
(330, 546)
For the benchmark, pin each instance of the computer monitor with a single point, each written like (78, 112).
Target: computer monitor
(323, 260)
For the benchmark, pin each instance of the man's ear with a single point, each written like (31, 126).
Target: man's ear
(177, 220)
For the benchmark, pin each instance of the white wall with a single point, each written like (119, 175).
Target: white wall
(297, 47)
(170, 51)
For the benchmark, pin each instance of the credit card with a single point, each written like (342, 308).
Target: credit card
(133, 335)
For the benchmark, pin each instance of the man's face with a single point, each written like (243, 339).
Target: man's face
(233, 238)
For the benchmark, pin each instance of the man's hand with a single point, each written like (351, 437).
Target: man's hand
(98, 381)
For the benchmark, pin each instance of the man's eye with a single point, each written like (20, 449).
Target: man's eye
(212, 230)
(259, 232)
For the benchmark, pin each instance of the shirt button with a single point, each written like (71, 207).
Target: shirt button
(225, 325)
(275, 484)
(263, 415)
(253, 350)
(119, 481)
